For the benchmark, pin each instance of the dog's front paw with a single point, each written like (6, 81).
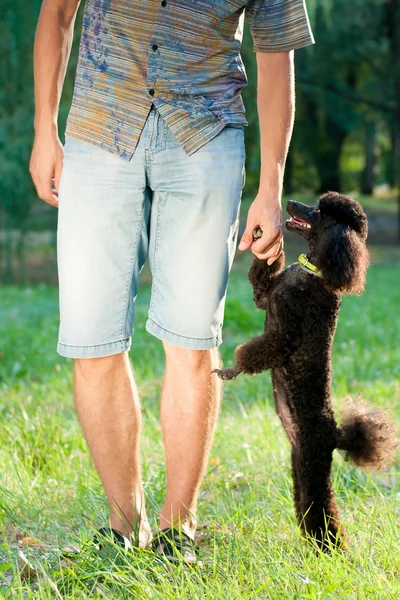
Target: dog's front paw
(231, 373)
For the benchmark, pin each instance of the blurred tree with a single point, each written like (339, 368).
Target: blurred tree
(17, 192)
(16, 118)
(368, 173)
(392, 22)
(348, 88)
(343, 84)
(250, 100)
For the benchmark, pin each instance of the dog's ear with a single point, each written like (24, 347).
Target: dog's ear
(343, 259)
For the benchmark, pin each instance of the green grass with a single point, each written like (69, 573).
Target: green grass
(249, 543)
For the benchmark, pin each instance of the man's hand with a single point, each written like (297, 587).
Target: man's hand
(46, 165)
(268, 216)
(52, 47)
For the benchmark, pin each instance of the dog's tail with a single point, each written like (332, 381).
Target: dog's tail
(367, 437)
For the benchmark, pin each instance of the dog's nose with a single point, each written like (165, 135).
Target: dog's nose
(290, 204)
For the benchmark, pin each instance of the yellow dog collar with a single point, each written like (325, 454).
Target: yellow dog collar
(309, 267)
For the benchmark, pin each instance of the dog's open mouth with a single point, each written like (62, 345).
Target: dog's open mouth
(300, 222)
(300, 218)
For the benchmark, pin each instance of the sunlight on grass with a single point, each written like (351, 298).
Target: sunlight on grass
(51, 496)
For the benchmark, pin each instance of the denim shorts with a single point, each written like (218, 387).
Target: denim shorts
(180, 211)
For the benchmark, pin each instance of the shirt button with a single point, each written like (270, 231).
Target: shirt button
(152, 92)
(164, 3)
(155, 47)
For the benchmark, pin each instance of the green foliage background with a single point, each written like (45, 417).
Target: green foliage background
(51, 497)
(347, 132)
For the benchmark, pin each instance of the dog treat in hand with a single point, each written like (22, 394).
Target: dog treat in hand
(257, 233)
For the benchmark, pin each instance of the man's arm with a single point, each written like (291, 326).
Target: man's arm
(275, 101)
(52, 49)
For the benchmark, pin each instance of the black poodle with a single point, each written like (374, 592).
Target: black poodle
(302, 304)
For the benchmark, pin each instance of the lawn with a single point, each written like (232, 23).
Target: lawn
(51, 497)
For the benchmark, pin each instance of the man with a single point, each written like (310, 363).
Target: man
(153, 165)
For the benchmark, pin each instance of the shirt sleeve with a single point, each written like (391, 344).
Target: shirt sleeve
(279, 25)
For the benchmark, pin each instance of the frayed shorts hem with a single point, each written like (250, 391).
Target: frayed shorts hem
(93, 351)
(180, 340)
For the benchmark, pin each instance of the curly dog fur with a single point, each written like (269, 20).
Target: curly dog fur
(302, 313)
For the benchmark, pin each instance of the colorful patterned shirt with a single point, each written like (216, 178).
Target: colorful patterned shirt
(181, 55)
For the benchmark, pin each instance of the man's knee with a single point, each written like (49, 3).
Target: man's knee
(191, 359)
(95, 368)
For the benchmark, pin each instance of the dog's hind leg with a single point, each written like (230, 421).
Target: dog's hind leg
(296, 485)
(317, 511)
(287, 417)
(286, 414)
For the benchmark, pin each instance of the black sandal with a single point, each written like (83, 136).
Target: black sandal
(175, 545)
(104, 536)
(111, 536)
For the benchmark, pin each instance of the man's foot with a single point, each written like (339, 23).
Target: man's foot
(109, 536)
(104, 539)
(175, 545)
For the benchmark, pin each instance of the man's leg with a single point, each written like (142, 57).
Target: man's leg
(103, 219)
(190, 403)
(193, 233)
(108, 406)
